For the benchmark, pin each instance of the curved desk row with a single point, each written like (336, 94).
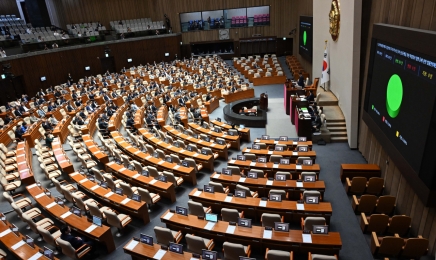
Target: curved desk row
(222, 150)
(95, 150)
(291, 154)
(206, 160)
(256, 236)
(238, 95)
(290, 143)
(255, 207)
(61, 157)
(235, 141)
(187, 173)
(81, 224)
(24, 163)
(245, 132)
(139, 251)
(111, 199)
(263, 185)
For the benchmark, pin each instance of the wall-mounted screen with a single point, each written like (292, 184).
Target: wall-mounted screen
(43, 78)
(87, 68)
(228, 18)
(305, 35)
(400, 98)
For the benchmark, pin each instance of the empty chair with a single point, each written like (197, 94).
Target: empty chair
(287, 174)
(160, 154)
(95, 210)
(365, 204)
(175, 158)
(275, 158)
(197, 209)
(231, 215)
(247, 190)
(165, 236)
(302, 158)
(282, 193)
(322, 257)
(310, 193)
(119, 221)
(111, 184)
(374, 223)
(45, 223)
(193, 164)
(127, 190)
(58, 185)
(82, 204)
(385, 205)
(218, 187)
(210, 152)
(148, 197)
(386, 246)
(235, 170)
(68, 249)
(278, 255)
(21, 203)
(69, 195)
(10, 186)
(268, 219)
(356, 186)
(309, 222)
(414, 248)
(250, 156)
(196, 244)
(375, 186)
(177, 181)
(153, 171)
(400, 225)
(233, 251)
(86, 163)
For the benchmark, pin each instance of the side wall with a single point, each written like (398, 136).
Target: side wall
(344, 58)
(410, 13)
(9, 7)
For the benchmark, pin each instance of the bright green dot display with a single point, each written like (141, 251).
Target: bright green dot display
(394, 95)
(304, 37)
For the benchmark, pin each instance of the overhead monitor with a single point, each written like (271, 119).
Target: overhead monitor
(129, 60)
(305, 36)
(43, 78)
(87, 68)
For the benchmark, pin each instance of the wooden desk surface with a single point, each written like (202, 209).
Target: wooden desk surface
(221, 149)
(212, 104)
(79, 224)
(115, 120)
(24, 252)
(143, 251)
(292, 154)
(121, 203)
(278, 240)
(288, 143)
(251, 206)
(244, 131)
(242, 94)
(4, 137)
(206, 160)
(188, 173)
(95, 150)
(165, 189)
(61, 157)
(61, 129)
(269, 166)
(24, 163)
(234, 140)
(33, 133)
(360, 167)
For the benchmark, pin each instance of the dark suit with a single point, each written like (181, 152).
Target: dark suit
(301, 81)
(74, 241)
(18, 113)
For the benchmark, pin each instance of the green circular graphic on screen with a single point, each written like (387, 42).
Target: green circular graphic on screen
(304, 37)
(394, 95)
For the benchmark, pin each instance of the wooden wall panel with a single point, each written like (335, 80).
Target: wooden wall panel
(56, 65)
(9, 7)
(416, 14)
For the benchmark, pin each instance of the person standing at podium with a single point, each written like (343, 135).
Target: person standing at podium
(301, 81)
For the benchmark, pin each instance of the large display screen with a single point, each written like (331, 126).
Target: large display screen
(305, 34)
(401, 98)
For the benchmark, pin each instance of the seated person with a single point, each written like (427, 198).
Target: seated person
(33, 118)
(78, 121)
(103, 125)
(130, 124)
(310, 98)
(82, 114)
(19, 133)
(46, 125)
(316, 124)
(75, 241)
(24, 127)
(48, 140)
(53, 121)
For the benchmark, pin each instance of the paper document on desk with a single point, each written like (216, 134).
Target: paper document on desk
(217, 175)
(300, 184)
(247, 150)
(84, 180)
(197, 193)
(66, 214)
(253, 164)
(17, 245)
(95, 187)
(110, 193)
(4, 233)
(294, 143)
(300, 206)
(74, 174)
(230, 229)
(242, 179)
(209, 225)
(262, 203)
(298, 167)
(125, 201)
(295, 153)
(232, 161)
(275, 166)
(228, 199)
(91, 228)
(307, 238)
(159, 254)
(35, 256)
(31, 186)
(51, 205)
(39, 195)
(269, 182)
(267, 234)
(136, 176)
(132, 245)
(168, 215)
(152, 181)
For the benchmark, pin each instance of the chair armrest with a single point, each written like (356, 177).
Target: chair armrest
(396, 235)
(348, 184)
(355, 203)
(84, 246)
(363, 222)
(209, 244)
(248, 250)
(18, 195)
(178, 235)
(302, 223)
(266, 253)
(374, 243)
(283, 219)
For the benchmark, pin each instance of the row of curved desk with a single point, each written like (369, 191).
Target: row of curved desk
(235, 141)
(291, 154)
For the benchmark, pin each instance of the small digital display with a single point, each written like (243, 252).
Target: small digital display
(162, 178)
(129, 60)
(280, 177)
(119, 191)
(29, 241)
(76, 211)
(302, 139)
(48, 253)
(309, 178)
(279, 226)
(302, 148)
(261, 159)
(255, 147)
(283, 138)
(252, 175)
(43, 79)
(312, 200)
(136, 197)
(240, 157)
(209, 255)
(96, 221)
(240, 193)
(265, 137)
(211, 217)
(308, 162)
(208, 188)
(181, 211)
(279, 148)
(284, 161)
(275, 197)
(148, 240)
(87, 68)
(320, 229)
(226, 171)
(244, 222)
(176, 248)
(185, 164)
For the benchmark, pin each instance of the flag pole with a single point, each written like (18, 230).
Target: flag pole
(325, 48)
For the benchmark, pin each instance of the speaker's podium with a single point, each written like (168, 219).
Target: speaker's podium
(263, 102)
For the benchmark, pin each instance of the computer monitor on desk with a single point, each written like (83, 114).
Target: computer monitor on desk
(181, 211)
(48, 253)
(252, 175)
(211, 217)
(208, 255)
(320, 229)
(255, 147)
(285, 161)
(283, 138)
(176, 248)
(148, 240)
(244, 222)
(240, 157)
(308, 162)
(309, 178)
(226, 171)
(303, 148)
(275, 197)
(262, 159)
(279, 226)
(240, 193)
(312, 200)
